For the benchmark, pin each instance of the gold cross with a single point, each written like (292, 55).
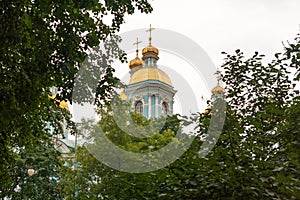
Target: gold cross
(150, 30)
(137, 46)
(218, 75)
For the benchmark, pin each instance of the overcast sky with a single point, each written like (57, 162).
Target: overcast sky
(216, 26)
(225, 25)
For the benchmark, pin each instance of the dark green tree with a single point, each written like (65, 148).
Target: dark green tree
(44, 160)
(43, 45)
(255, 157)
(93, 179)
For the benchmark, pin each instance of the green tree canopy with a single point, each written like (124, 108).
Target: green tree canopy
(94, 179)
(43, 44)
(256, 155)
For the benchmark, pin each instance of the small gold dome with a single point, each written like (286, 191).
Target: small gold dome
(123, 95)
(208, 110)
(62, 104)
(135, 63)
(150, 73)
(150, 50)
(218, 89)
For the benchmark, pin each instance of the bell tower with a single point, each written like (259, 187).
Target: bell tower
(150, 89)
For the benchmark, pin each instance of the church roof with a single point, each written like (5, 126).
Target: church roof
(150, 73)
(218, 89)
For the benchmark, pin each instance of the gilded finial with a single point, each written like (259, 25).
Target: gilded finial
(150, 30)
(137, 46)
(218, 76)
(218, 89)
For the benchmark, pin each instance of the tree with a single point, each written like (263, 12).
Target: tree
(93, 179)
(43, 45)
(250, 159)
(256, 156)
(288, 153)
(44, 160)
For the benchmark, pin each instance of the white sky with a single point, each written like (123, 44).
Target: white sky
(220, 25)
(225, 25)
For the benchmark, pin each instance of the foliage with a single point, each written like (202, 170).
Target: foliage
(43, 45)
(94, 179)
(256, 156)
(44, 160)
(116, 124)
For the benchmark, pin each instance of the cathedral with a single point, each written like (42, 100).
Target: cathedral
(150, 89)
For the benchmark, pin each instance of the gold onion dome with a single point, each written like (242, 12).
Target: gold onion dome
(123, 95)
(62, 104)
(150, 73)
(208, 110)
(150, 50)
(218, 89)
(136, 62)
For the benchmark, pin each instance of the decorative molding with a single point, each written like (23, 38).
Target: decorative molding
(165, 99)
(138, 97)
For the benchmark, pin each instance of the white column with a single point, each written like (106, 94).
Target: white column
(156, 106)
(149, 105)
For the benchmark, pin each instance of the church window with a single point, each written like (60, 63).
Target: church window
(138, 107)
(165, 109)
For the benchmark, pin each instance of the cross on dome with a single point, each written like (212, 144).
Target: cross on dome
(218, 76)
(137, 46)
(150, 52)
(218, 90)
(150, 30)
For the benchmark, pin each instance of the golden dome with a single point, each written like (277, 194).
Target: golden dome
(208, 110)
(62, 104)
(135, 63)
(218, 89)
(123, 95)
(150, 73)
(150, 50)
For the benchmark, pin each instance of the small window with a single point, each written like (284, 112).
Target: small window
(138, 107)
(165, 109)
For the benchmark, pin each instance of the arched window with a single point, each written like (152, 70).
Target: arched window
(165, 109)
(138, 107)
